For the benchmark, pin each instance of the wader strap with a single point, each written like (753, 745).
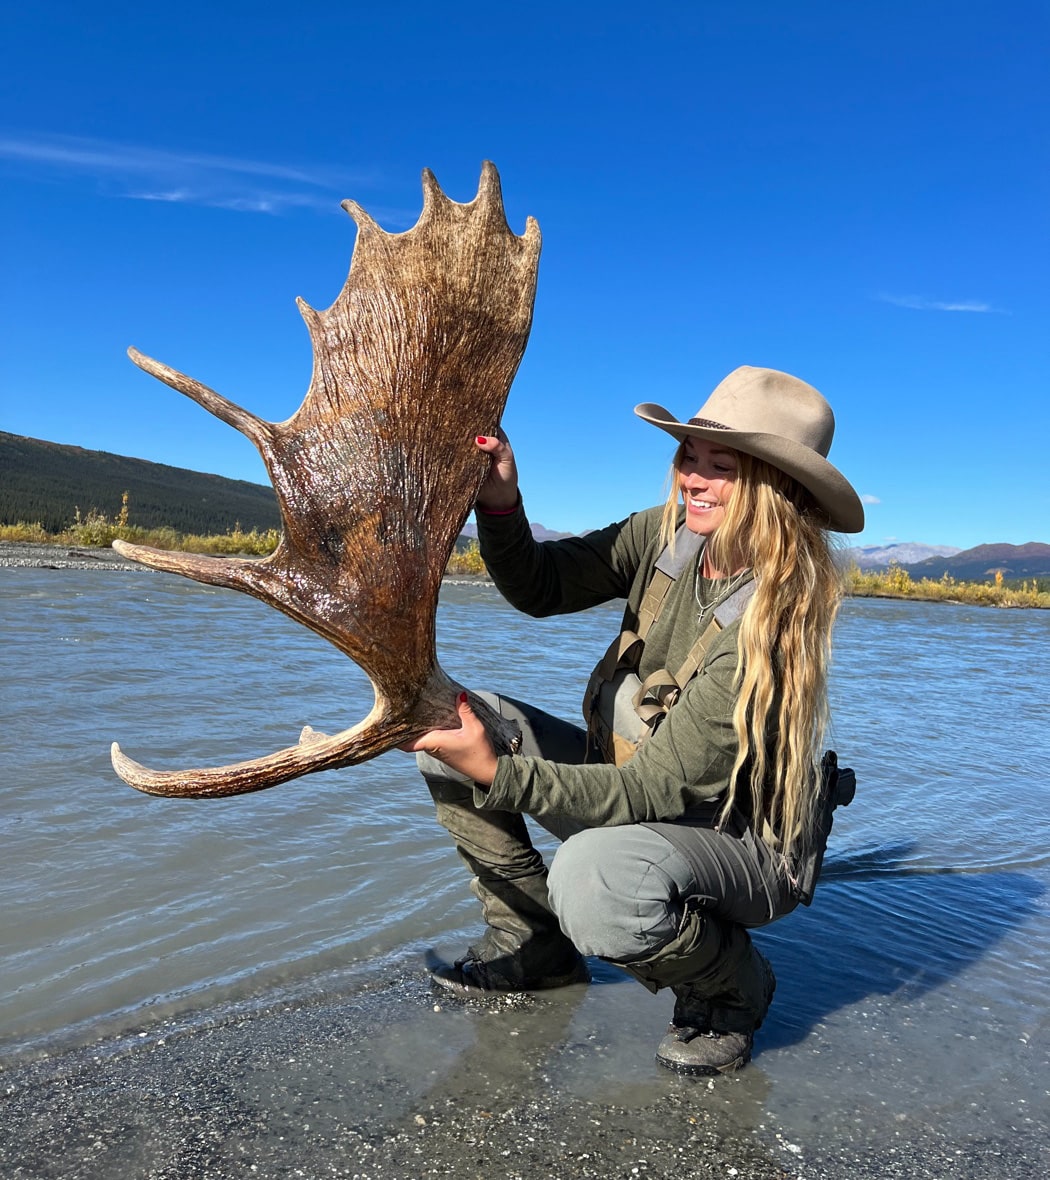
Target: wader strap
(726, 613)
(668, 568)
(626, 649)
(624, 652)
(652, 602)
(735, 605)
(619, 715)
(661, 689)
(686, 546)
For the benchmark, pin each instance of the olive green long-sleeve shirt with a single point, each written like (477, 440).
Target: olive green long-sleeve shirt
(689, 759)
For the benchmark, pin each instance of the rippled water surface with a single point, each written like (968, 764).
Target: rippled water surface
(916, 982)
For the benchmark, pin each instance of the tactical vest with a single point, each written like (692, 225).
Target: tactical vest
(621, 709)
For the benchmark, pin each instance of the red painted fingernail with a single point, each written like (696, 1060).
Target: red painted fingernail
(482, 438)
(461, 699)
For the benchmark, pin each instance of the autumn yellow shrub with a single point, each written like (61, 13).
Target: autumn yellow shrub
(31, 534)
(466, 561)
(897, 583)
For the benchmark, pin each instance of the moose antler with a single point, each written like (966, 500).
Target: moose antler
(377, 471)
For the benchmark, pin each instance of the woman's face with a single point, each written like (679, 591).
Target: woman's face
(706, 476)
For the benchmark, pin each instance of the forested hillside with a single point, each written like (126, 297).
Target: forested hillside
(46, 483)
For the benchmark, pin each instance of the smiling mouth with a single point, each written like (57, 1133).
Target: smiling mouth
(701, 505)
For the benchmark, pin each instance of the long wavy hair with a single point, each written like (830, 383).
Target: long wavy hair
(773, 526)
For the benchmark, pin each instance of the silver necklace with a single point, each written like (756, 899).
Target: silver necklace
(710, 607)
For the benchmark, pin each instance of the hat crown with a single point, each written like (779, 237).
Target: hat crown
(766, 401)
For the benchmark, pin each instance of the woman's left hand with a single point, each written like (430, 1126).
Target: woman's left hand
(467, 749)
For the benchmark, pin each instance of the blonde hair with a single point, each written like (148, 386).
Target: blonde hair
(772, 526)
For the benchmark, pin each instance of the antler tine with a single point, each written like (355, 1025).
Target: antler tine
(489, 187)
(213, 571)
(226, 411)
(364, 220)
(263, 579)
(375, 734)
(384, 728)
(488, 199)
(242, 778)
(432, 195)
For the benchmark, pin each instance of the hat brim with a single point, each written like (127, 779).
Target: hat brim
(824, 482)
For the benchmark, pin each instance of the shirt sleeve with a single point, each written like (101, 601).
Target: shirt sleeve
(544, 578)
(687, 762)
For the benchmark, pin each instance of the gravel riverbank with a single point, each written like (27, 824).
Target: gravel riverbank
(390, 1082)
(23, 555)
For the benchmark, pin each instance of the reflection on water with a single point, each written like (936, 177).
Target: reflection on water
(921, 968)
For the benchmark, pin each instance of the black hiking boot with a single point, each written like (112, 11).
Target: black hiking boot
(476, 976)
(702, 1054)
(694, 1044)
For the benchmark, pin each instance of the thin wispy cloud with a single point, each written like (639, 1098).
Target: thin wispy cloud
(194, 178)
(100, 155)
(870, 500)
(921, 303)
(259, 202)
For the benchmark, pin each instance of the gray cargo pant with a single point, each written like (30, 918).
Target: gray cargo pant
(667, 902)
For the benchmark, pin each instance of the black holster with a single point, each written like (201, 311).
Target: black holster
(838, 785)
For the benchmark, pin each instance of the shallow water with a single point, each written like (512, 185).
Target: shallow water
(914, 992)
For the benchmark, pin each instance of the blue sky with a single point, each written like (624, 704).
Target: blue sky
(854, 193)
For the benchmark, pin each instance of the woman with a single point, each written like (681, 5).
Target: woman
(690, 807)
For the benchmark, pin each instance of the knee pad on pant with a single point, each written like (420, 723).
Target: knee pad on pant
(612, 892)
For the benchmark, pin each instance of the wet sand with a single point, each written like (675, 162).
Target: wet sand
(391, 1080)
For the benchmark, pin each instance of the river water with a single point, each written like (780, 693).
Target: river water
(914, 991)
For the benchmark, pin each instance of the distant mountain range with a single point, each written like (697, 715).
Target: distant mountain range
(539, 531)
(49, 482)
(981, 563)
(875, 557)
(921, 561)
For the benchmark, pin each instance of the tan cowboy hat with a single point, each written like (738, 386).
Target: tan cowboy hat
(778, 418)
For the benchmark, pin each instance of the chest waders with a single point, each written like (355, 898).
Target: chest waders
(622, 711)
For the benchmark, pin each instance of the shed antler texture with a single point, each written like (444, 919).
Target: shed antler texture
(377, 471)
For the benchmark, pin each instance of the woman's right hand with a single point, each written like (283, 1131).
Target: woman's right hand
(467, 749)
(499, 492)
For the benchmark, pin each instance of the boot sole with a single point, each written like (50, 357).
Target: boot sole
(703, 1071)
(468, 991)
